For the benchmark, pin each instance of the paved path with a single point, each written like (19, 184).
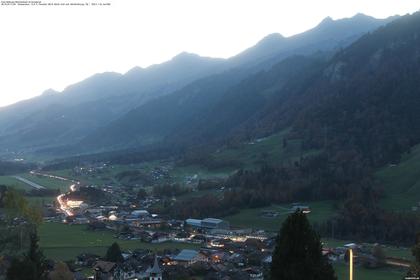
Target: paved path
(30, 183)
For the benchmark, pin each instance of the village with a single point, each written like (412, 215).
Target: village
(219, 251)
(163, 246)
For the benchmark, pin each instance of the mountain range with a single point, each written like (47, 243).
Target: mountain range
(189, 100)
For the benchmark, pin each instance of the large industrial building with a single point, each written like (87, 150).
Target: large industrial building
(208, 223)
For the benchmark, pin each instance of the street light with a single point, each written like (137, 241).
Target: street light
(351, 263)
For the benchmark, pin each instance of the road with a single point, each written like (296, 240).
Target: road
(30, 183)
(63, 205)
(61, 199)
(53, 176)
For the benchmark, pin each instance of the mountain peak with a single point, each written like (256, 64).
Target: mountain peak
(134, 70)
(185, 56)
(326, 20)
(49, 92)
(269, 42)
(272, 38)
(361, 15)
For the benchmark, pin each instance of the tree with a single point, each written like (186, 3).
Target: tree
(141, 194)
(379, 254)
(16, 204)
(114, 253)
(31, 266)
(36, 256)
(414, 270)
(21, 269)
(298, 252)
(61, 272)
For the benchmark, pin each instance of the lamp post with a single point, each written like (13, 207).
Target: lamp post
(351, 263)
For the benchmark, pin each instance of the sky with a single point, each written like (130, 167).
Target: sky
(53, 46)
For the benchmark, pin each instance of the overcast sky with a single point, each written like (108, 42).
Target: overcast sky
(54, 46)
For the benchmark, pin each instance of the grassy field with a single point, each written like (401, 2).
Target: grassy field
(43, 181)
(85, 179)
(48, 182)
(269, 150)
(180, 172)
(361, 273)
(401, 182)
(64, 242)
(19, 185)
(390, 251)
(10, 181)
(320, 211)
(250, 155)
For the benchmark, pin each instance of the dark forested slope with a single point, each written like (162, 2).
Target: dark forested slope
(59, 119)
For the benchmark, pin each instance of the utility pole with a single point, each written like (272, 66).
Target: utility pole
(351, 263)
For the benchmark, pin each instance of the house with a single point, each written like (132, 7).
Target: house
(254, 273)
(219, 256)
(353, 246)
(188, 257)
(79, 276)
(148, 223)
(195, 223)
(87, 259)
(126, 271)
(104, 270)
(255, 244)
(160, 237)
(140, 213)
(80, 220)
(330, 254)
(94, 211)
(198, 238)
(176, 224)
(302, 208)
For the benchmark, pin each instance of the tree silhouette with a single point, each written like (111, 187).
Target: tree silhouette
(414, 270)
(61, 272)
(298, 252)
(114, 253)
(31, 266)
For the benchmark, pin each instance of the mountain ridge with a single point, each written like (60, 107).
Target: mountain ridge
(122, 93)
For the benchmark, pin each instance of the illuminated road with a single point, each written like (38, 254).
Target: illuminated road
(63, 205)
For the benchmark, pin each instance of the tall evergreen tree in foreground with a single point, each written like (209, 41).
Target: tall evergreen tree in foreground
(31, 266)
(114, 253)
(414, 270)
(298, 252)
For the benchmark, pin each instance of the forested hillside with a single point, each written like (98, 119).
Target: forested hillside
(359, 109)
(110, 104)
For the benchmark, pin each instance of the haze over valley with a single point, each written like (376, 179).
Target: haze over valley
(296, 158)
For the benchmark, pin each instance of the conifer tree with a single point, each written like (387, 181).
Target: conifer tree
(414, 270)
(31, 266)
(298, 252)
(114, 253)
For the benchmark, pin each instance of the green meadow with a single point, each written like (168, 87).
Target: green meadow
(64, 242)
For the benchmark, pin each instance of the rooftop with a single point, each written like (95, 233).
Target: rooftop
(186, 255)
(194, 222)
(212, 220)
(104, 266)
(155, 269)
